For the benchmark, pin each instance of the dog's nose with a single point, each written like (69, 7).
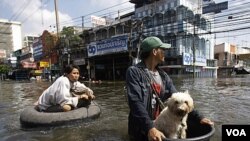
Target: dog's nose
(181, 112)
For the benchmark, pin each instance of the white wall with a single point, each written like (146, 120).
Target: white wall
(241, 50)
(17, 36)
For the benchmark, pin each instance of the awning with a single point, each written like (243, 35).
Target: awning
(28, 65)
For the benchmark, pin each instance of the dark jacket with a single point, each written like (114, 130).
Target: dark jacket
(139, 93)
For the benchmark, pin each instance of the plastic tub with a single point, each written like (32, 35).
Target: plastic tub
(197, 132)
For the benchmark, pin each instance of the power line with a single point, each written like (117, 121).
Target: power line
(63, 22)
(20, 11)
(216, 25)
(25, 19)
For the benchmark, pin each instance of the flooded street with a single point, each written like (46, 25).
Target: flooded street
(224, 100)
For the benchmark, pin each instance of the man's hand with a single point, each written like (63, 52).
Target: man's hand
(155, 135)
(206, 121)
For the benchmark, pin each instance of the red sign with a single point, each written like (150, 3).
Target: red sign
(29, 65)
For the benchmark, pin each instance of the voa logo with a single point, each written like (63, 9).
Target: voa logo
(236, 132)
(92, 49)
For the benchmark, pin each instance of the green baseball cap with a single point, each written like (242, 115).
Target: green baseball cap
(150, 43)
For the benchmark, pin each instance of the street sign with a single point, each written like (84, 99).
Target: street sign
(216, 8)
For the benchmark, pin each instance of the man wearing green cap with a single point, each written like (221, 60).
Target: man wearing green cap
(148, 85)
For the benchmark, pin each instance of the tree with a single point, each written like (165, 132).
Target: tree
(4, 69)
(69, 33)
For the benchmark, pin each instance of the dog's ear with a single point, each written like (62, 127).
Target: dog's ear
(186, 92)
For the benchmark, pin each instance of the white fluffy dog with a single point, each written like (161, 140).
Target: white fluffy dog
(172, 121)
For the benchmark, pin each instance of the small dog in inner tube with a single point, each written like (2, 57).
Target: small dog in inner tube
(172, 120)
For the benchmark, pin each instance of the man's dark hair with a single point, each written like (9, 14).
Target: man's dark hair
(68, 69)
(144, 55)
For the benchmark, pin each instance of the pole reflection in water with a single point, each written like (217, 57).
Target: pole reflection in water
(224, 100)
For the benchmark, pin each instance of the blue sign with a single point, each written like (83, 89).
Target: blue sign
(92, 49)
(215, 7)
(199, 60)
(115, 44)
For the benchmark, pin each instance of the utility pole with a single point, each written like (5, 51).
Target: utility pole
(193, 47)
(82, 24)
(140, 40)
(57, 19)
(88, 66)
(57, 24)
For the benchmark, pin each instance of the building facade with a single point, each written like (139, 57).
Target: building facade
(226, 54)
(232, 59)
(28, 41)
(10, 36)
(108, 49)
(181, 24)
(177, 22)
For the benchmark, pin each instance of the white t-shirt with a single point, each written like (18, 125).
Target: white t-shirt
(59, 93)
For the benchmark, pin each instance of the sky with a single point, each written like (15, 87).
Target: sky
(39, 15)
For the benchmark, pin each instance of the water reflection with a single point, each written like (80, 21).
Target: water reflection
(224, 100)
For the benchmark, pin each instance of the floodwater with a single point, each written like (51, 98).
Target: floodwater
(224, 100)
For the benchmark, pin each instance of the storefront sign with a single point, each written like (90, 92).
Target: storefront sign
(199, 60)
(108, 46)
(37, 49)
(44, 64)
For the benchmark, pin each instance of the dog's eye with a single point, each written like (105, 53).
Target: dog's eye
(176, 102)
(186, 102)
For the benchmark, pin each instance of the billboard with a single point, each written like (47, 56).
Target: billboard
(108, 46)
(199, 60)
(98, 20)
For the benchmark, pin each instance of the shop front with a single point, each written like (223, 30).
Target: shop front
(108, 59)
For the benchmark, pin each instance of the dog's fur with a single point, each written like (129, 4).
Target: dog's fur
(172, 121)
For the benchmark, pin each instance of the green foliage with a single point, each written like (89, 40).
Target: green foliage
(67, 31)
(69, 34)
(4, 68)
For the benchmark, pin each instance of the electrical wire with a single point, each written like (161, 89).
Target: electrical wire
(238, 10)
